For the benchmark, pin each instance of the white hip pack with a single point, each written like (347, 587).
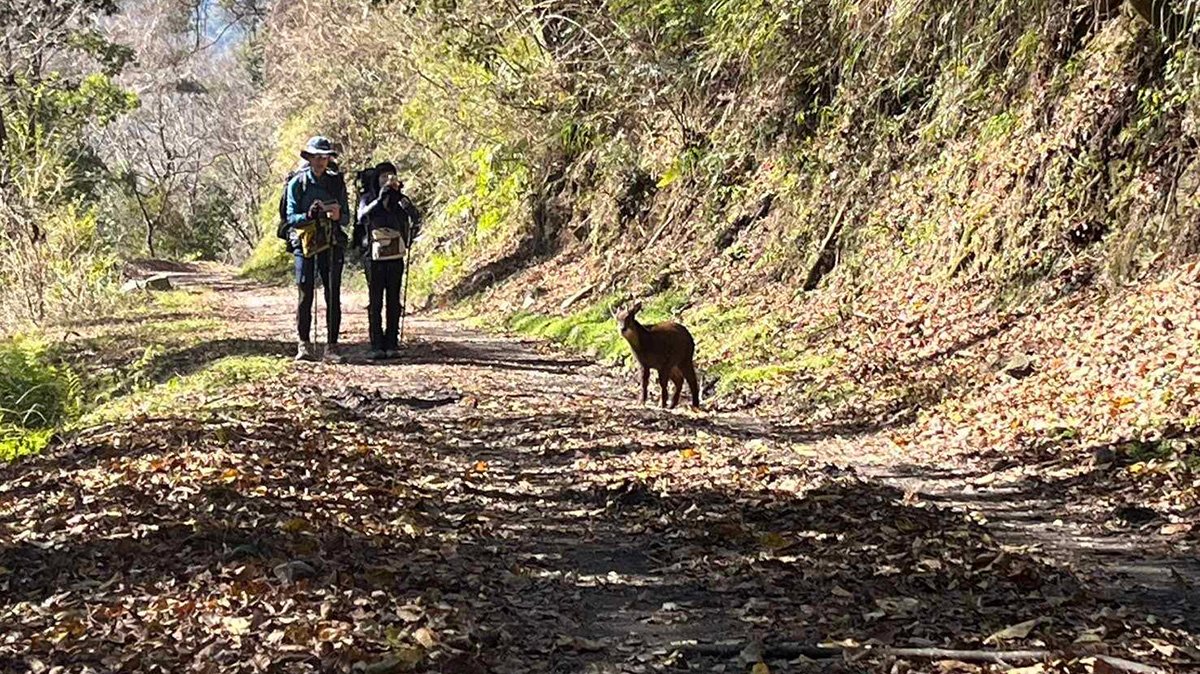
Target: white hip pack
(386, 244)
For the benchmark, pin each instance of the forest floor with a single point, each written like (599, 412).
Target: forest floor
(488, 504)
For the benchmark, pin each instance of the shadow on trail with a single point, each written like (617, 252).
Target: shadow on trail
(549, 541)
(976, 339)
(1145, 570)
(482, 353)
(131, 321)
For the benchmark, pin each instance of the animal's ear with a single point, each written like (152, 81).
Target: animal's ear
(637, 306)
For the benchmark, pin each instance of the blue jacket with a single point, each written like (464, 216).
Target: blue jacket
(305, 188)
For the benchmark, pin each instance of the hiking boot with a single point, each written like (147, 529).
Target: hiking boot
(304, 351)
(391, 353)
(333, 354)
(376, 354)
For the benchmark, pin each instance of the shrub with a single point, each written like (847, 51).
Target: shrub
(36, 397)
(34, 394)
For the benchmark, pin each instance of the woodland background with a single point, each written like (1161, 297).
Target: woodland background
(855, 205)
(940, 259)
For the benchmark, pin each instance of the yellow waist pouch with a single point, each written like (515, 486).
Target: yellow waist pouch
(315, 236)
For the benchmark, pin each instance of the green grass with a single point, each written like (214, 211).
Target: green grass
(172, 301)
(36, 397)
(180, 327)
(739, 352)
(740, 378)
(114, 367)
(33, 392)
(211, 387)
(18, 441)
(591, 330)
(743, 351)
(432, 268)
(832, 396)
(125, 357)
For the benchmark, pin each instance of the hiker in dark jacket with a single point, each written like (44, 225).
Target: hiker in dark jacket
(386, 225)
(317, 212)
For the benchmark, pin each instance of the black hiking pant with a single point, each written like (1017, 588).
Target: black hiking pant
(383, 282)
(327, 264)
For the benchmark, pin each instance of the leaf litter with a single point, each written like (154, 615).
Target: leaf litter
(530, 520)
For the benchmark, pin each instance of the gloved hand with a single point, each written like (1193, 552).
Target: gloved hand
(315, 209)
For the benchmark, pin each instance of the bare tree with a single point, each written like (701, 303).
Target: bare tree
(191, 139)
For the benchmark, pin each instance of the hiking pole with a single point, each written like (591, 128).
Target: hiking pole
(318, 302)
(404, 292)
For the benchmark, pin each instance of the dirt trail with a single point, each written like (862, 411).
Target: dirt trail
(521, 507)
(1132, 566)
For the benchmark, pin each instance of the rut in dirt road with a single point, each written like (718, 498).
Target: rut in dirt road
(491, 505)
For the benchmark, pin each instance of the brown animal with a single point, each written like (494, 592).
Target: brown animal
(667, 347)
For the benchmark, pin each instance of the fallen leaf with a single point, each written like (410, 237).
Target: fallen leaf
(579, 644)
(1018, 631)
(463, 664)
(399, 660)
(295, 525)
(409, 613)
(957, 667)
(294, 570)
(898, 605)
(424, 636)
(774, 541)
(236, 626)
(1175, 528)
(1163, 647)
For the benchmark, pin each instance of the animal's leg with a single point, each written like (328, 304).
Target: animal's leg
(689, 373)
(645, 382)
(677, 380)
(662, 384)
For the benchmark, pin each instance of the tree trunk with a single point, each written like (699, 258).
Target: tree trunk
(149, 221)
(827, 253)
(150, 239)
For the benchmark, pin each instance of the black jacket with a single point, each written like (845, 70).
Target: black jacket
(393, 211)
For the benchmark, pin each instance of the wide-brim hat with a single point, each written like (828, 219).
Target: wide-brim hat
(318, 145)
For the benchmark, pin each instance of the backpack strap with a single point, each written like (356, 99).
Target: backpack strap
(282, 228)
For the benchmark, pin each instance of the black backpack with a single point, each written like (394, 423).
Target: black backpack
(281, 229)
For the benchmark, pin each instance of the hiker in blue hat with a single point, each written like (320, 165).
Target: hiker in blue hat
(317, 212)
